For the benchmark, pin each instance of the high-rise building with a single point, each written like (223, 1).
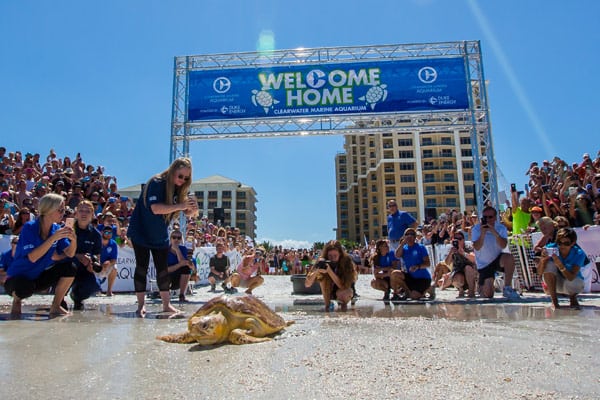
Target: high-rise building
(220, 199)
(428, 173)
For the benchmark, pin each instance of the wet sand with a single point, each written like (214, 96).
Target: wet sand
(449, 348)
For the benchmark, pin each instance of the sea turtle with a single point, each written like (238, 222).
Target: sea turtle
(234, 319)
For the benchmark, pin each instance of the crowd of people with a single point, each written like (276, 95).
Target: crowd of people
(557, 196)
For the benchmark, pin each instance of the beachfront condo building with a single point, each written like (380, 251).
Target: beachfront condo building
(428, 173)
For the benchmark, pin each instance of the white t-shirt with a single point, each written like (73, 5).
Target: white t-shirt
(490, 249)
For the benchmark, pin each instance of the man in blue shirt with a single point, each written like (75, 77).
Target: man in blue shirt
(416, 278)
(397, 222)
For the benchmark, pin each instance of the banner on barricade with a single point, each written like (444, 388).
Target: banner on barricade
(126, 265)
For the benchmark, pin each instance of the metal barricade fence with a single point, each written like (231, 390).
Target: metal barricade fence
(521, 247)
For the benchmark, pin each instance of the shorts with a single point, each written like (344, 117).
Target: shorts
(217, 277)
(563, 285)
(490, 270)
(420, 285)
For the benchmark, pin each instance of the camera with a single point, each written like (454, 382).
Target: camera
(551, 251)
(322, 264)
(96, 266)
(513, 187)
(546, 188)
(455, 244)
(483, 221)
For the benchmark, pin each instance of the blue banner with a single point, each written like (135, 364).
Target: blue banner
(328, 89)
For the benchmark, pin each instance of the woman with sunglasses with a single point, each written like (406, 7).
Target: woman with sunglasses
(108, 259)
(462, 260)
(162, 199)
(560, 266)
(42, 258)
(384, 261)
(179, 266)
(23, 217)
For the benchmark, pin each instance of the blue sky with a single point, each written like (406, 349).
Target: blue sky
(97, 77)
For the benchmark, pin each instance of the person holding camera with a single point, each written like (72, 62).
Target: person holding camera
(560, 266)
(462, 261)
(87, 256)
(521, 215)
(335, 271)
(42, 257)
(490, 238)
(162, 199)
(416, 278)
(108, 260)
(247, 274)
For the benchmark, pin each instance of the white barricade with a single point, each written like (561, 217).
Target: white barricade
(126, 265)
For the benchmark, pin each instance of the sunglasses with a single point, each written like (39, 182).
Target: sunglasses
(489, 216)
(107, 232)
(563, 243)
(392, 205)
(459, 238)
(176, 237)
(409, 234)
(184, 177)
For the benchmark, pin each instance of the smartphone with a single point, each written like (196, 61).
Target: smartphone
(551, 251)
(483, 221)
(546, 188)
(513, 187)
(70, 222)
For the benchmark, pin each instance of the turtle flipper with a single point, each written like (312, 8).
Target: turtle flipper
(241, 336)
(184, 337)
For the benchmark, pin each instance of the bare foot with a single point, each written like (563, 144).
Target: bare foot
(16, 308)
(57, 312)
(141, 312)
(170, 309)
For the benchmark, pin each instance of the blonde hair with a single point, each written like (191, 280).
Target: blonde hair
(173, 191)
(49, 202)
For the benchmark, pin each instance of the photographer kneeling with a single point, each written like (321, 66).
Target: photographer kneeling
(335, 271)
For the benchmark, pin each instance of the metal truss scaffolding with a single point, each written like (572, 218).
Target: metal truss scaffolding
(475, 119)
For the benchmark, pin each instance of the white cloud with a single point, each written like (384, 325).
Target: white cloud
(287, 243)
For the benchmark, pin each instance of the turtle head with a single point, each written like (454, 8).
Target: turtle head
(209, 329)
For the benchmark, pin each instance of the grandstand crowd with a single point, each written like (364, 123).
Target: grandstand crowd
(566, 192)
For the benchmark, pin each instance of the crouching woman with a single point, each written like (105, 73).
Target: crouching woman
(560, 266)
(42, 258)
(335, 271)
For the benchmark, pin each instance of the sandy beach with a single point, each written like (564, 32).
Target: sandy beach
(449, 348)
